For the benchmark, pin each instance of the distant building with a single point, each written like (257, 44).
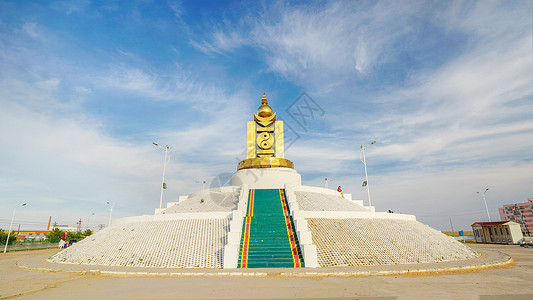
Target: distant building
(40, 235)
(521, 213)
(501, 232)
(33, 236)
(65, 228)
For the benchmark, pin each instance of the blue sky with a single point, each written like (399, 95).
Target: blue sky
(444, 87)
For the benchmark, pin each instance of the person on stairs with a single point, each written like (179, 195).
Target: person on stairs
(340, 191)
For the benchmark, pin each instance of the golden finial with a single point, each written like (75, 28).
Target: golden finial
(264, 110)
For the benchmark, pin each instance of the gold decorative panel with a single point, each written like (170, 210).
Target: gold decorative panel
(280, 152)
(250, 143)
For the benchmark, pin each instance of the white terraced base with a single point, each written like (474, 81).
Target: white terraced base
(374, 241)
(181, 243)
(215, 199)
(332, 232)
(323, 202)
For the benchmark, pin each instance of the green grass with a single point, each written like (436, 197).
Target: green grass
(456, 233)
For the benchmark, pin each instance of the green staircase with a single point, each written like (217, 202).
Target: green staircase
(268, 237)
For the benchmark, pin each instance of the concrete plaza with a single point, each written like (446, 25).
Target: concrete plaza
(20, 278)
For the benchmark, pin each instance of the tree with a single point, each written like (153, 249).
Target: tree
(55, 235)
(75, 235)
(3, 237)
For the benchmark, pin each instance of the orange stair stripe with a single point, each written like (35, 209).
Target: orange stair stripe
(246, 240)
(290, 231)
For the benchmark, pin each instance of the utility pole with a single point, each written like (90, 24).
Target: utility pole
(451, 225)
(88, 218)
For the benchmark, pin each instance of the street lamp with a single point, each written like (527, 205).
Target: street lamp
(163, 184)
(111, 206)
(11, 225)
(363, 159)
(485, 200)
(92, 214)
(203, 183)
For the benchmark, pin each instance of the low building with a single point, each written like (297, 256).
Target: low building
(32, 236)
(502, 232)
(65, 228)
(521, 213)
(40, 235)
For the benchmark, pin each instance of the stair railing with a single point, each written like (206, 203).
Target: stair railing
(305, 240)
(233, 239)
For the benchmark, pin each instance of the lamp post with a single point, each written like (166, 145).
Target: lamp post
(203, 183)
(363, 159)
(111, 206)
(485, 200)
(11, 225)
(88, 218)
(163, 185)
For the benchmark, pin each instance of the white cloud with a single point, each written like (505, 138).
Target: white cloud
(69, 158)
(324, 42)
(361, 57)
(220, 44)
(72, 6)
(30, 29)
(63, 160)
(470, 101)
(177, 85)
(52, 158)
(437, 196)
(176, 8)
(134, 80)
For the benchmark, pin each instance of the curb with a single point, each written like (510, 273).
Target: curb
(488, 259)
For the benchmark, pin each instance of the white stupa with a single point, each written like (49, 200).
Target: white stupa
(265, 218)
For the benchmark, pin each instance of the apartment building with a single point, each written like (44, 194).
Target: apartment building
(521, 213)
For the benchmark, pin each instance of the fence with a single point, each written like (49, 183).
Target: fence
(22, 247)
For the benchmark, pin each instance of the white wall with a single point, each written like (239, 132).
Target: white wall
(266, 178)
(179, 216)
(355, 215)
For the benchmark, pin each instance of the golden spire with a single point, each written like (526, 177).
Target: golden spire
(264, 110)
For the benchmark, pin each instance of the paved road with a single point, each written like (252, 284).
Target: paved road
(510, 282)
